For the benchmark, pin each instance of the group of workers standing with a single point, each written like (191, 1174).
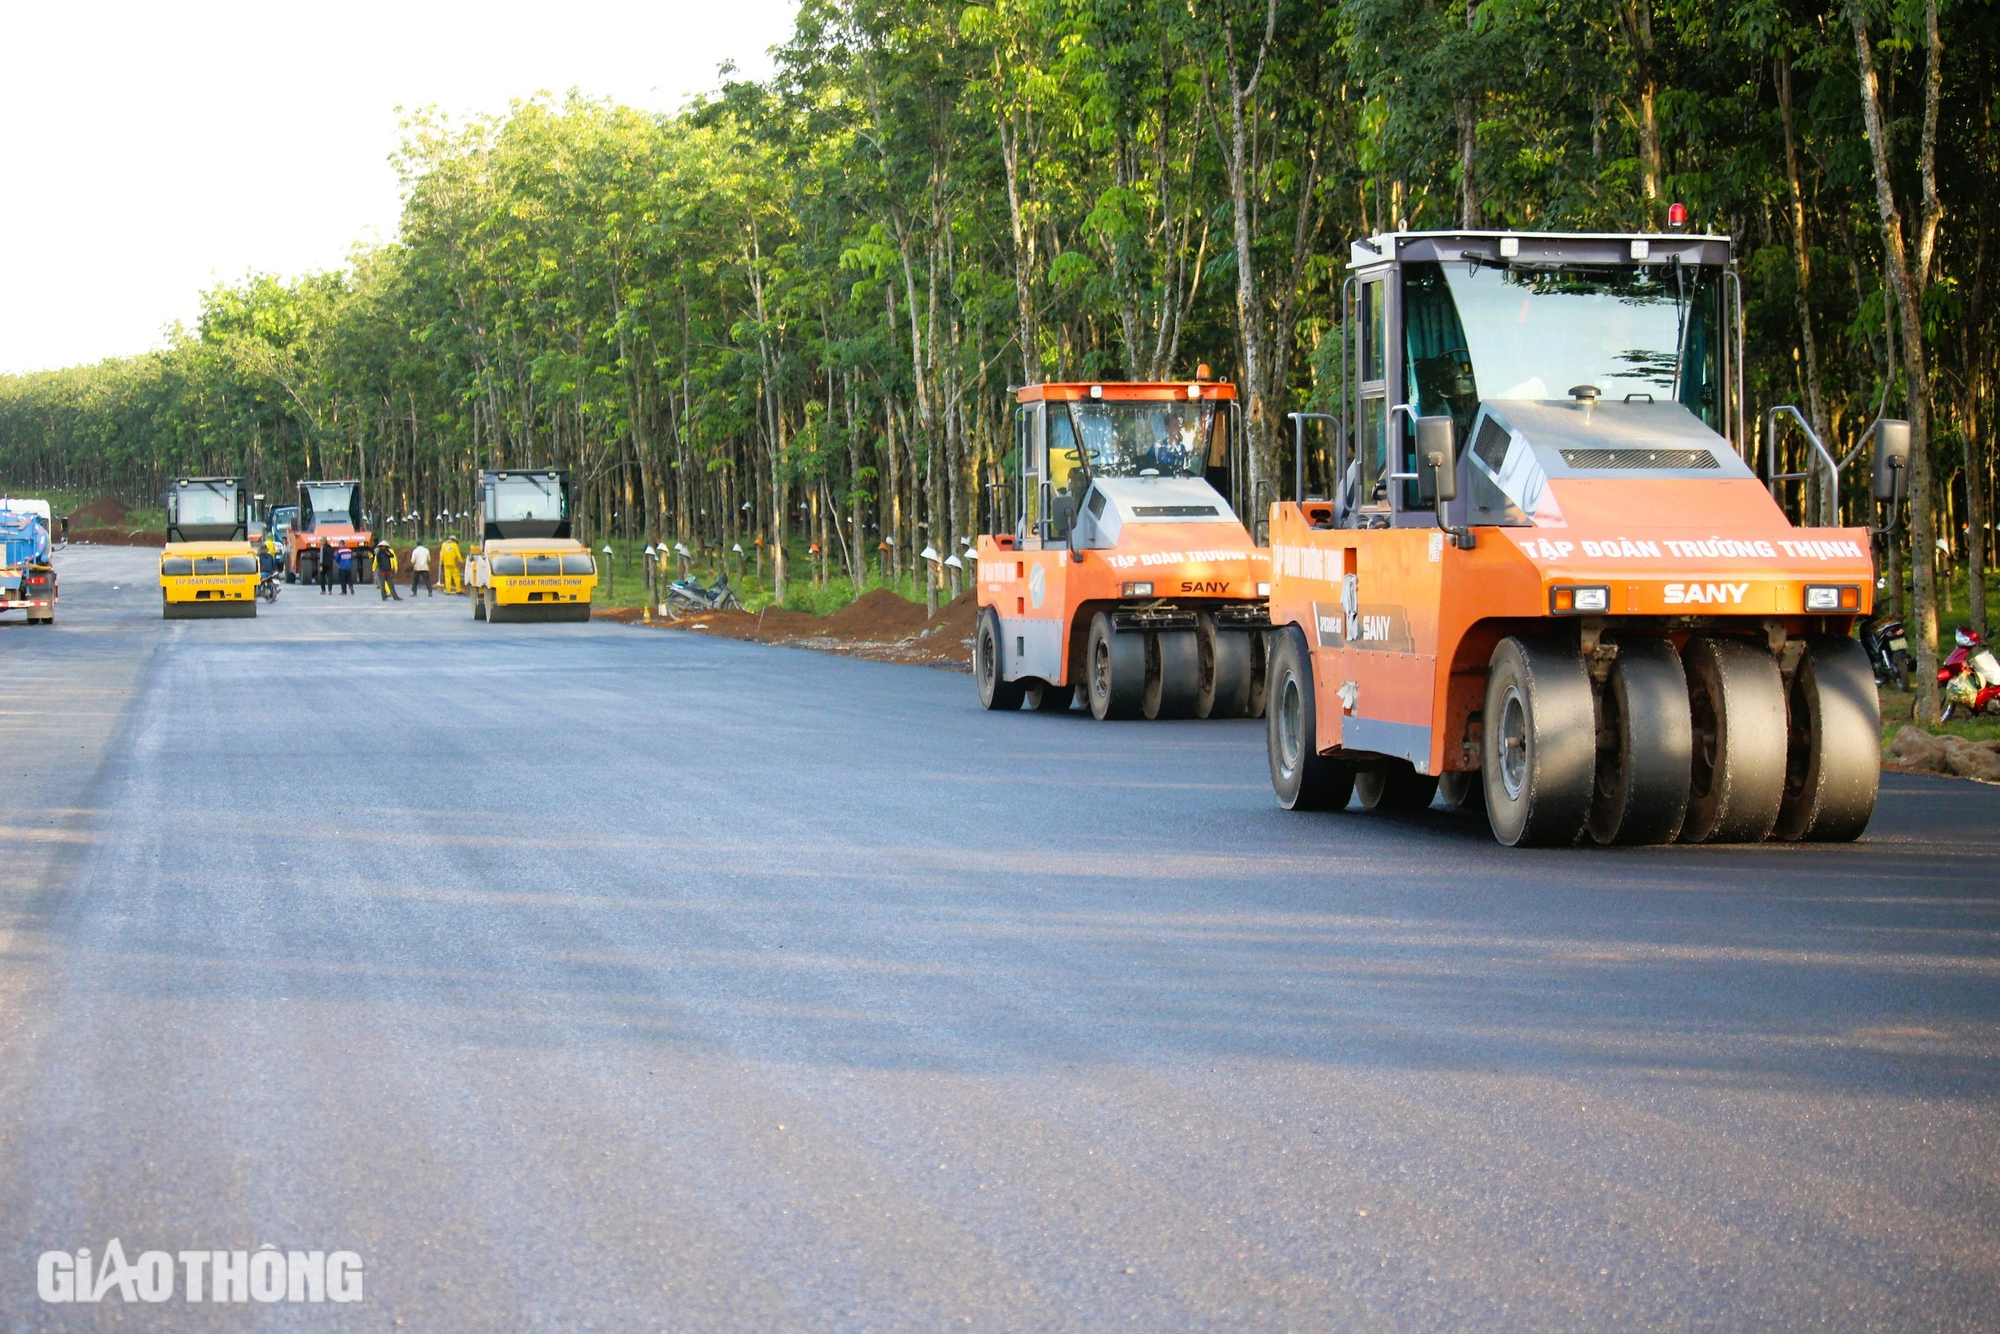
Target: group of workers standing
(337, 566)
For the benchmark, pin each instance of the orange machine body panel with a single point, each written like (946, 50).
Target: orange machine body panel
(1401, 622)
(1045, 590)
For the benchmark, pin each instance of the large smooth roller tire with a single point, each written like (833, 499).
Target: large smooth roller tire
(1462, 790)
(1833, 761)
(1225, 671)
(1045, 697)
(1173, 674)
(1114, 671)
(1736, 703)
(1538, 743)
(1393, 785)
(1644, 746)
(495, 611)
(988, 666)
(1304, 779)
(478, 601)
(1260, 671)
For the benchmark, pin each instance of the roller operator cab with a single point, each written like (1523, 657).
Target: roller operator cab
(329, 516)
(527, 567)
(208, 567)
(27, 571)
(1114, 569)
(1548, 578)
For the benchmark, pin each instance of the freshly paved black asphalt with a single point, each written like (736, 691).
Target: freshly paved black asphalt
(593, 977)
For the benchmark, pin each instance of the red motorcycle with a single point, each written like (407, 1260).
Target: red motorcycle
(1970, 677)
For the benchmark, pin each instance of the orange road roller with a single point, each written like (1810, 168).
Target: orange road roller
(1114, 570)
(1547, 580)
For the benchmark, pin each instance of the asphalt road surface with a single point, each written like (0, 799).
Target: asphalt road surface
(593, 977)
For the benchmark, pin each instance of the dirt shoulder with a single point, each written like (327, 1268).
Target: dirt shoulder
(878, 625)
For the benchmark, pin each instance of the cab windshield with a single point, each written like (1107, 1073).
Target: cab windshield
(204, 504)
(536, 499)
(1132, 439)
(331, 504)
(1496, 331)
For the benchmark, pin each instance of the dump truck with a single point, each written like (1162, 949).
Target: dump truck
(208, 568)
(329, 517)
(527, 567)
(1548, 578)
(27, 573)
(1114, 570)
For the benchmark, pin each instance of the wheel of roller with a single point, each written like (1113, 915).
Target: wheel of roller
(1225, 671)
(1538, 749)
(1462, 790)
(1044, 697)
(1833, 760)
(1736, 703)
(495, 612)
(1260, 663)
(988, 667)
(1304, 779)
(1173, 674)
(1393, 785)
(478, 601)
(1116, 671)
(1644, 741)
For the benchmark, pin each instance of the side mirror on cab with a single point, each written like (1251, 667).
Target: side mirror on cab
(1892, 461)
(1437, 458)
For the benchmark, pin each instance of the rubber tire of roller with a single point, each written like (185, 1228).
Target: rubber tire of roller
(1833, 763)
(1115, 671)
(1393, 785)
(996, 693)
(1644, 746)
(1225, 670)
(1462, 790)
(1541, 687)
(1304, 779)
(478, 600)
(1260, 670)
(1173, 674)
(1046, 697)
(1737, 709)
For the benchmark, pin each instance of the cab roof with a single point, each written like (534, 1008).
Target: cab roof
(209, 549)
(528, 546)
(1542, 247)
(1126, 391)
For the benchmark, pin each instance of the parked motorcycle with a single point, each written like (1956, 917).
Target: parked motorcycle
(1888, 651)
(267, 587)
(1970, 677)
(689, 595)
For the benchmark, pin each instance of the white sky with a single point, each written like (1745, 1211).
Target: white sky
(150, 150)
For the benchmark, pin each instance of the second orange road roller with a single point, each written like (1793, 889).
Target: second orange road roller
(1118, 571)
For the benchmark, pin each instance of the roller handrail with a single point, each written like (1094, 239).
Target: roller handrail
(1772, 477)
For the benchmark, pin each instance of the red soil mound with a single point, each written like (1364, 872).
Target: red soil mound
(109, 512)
(877, 625)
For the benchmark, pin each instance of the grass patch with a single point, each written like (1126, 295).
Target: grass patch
(1899, 710)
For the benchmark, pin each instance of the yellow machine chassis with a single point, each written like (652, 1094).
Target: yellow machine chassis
(207, 596)
(530, 597)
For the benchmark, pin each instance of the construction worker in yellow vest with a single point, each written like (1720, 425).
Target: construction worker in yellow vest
(451, 566)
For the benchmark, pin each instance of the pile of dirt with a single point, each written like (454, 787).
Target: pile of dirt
(116, 537)
(109, 512)
(878, 625)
